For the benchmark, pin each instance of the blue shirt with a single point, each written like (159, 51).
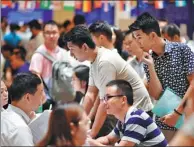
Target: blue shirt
(23, 69)
(139, 128)
(12, 39)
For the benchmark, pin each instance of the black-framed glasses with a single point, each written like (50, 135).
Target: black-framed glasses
(107, 97)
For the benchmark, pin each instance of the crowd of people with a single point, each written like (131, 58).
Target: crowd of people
(118, 76)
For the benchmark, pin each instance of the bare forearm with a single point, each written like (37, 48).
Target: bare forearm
(88, 104)
(94, 109)
(155, 87)
(99, 120)
(189, 94)
(103, 140)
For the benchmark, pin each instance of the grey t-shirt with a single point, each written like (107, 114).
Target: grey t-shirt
(109, 66)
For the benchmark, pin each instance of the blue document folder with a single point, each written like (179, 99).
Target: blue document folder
(166, 105)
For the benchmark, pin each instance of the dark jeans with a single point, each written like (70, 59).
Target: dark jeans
(108, 126)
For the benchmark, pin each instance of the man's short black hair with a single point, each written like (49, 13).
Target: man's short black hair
(79, 19)
(171, 29)
(22, 84)
(21, 52)
(101, 27)
(7, 47)
(34, 24)
(146, 23)
(124, 88)
(80, 35)
(50, 22)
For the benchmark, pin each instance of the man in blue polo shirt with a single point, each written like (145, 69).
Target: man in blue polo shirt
(135, 126)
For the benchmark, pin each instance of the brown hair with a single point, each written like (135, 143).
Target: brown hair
(59, 130)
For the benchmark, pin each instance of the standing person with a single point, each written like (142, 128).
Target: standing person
(27, 94)
(132, 47)
(12, 38)
(106, 65)
(40, 64)
(172, 66)
(36, 40)
(102, 35)
(68, 126)
(18, 61)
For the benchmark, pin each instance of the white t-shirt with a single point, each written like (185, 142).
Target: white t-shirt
(109, 66)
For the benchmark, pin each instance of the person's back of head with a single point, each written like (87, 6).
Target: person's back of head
(80, 35)
(101, 28)
(66, 23)
(34, 24)
(171, 32)
(23, 85)
(79, 19)
(64, 123)
(14, 27)
(146, 23)
(124, 88)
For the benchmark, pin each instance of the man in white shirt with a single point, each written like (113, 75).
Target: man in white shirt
(106, 66)
(27, 94)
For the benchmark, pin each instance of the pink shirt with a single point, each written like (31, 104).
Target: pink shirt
(43, 66)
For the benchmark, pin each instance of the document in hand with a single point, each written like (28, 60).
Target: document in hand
(39, 125)
(166, 105)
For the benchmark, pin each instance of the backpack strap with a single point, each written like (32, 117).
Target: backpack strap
(46, 55)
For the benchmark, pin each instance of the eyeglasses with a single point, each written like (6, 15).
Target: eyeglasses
(51, 33)
(107, 97)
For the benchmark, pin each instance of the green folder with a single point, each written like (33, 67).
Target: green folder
(166, 105)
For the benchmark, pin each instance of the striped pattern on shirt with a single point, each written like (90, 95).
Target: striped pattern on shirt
(139, 128)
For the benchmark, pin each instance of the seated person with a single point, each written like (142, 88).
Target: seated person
(18, 61)
(68, 126)
(80, 81)
(27, 94)
(135, 126)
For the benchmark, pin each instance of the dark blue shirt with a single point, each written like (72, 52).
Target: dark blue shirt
(173, 67)
(24, 68)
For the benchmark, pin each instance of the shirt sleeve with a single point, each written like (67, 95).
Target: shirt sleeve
(188, 60)
(91, 80)
(146, 72)
(107, 73)
(134, 132)
(188, 127)
(36, 63)
(116, 130)
(22, 136)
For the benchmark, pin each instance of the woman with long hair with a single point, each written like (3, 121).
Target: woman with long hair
(80, 80)
(68, 126)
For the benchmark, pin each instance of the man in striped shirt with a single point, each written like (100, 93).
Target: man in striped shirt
(135, 127)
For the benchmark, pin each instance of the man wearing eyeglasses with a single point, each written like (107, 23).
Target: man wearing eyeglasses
(40, 64)
(135, 126)
(106, 66)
